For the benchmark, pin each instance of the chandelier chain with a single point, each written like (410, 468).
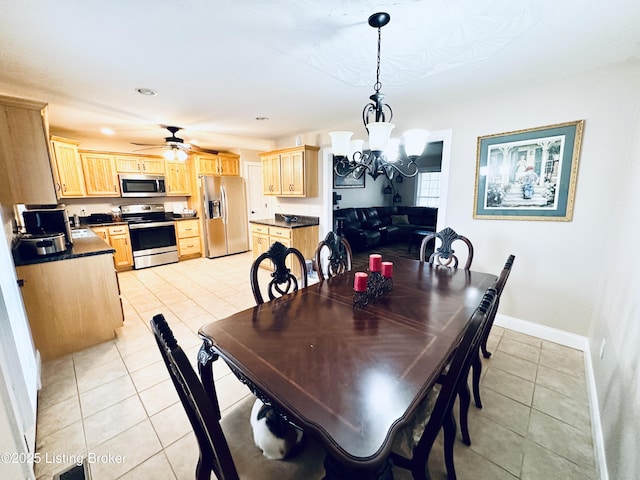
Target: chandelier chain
(378, 85)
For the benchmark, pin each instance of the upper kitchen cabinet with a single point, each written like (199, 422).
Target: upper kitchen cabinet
(220, 164)
(100, 175)
(271, 182)
(67, 168)
(291, 172)
(25, 165)
(137, 164)
(177, 178)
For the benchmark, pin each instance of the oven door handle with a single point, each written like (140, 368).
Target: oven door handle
(138, 226)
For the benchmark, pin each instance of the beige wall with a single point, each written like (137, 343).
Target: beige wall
(574, 276)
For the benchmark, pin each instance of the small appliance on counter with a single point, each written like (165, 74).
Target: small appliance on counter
(48, 231)
(40, 245)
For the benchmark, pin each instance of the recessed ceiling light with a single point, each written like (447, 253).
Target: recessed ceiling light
(107, 131)
(261, 119)
(147, 91)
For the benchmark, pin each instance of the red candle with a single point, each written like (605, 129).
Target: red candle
(387, 269)
(360, 282)
(375, 262)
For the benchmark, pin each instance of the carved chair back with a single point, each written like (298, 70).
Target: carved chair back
(333, 256)
(282, 280)
(444, 255)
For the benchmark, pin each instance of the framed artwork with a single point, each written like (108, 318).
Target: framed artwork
(528, 174)
(350, 181)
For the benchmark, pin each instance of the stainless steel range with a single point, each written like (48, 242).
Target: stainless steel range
(153, 236)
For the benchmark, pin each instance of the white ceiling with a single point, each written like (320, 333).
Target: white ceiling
(306, 64)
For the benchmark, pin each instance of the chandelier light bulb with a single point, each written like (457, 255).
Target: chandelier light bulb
(392, 152)
(340, 143)
(415, 141)
(379, 134)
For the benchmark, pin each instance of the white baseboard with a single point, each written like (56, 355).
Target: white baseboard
(579, 343)
(541, 331)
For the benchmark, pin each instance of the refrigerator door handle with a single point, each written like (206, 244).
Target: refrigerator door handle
(223, 201)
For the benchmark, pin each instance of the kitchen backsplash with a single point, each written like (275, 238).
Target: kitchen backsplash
(84, 207)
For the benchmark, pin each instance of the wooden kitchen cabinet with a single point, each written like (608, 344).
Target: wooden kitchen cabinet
(67, 168)
(188, 233)
(25, 163)
(118, 237)
(271, 184)
(229, 164)
(100, 175)
(304, 239)
(291, 172)
(221, 164)
(259, 239)
(71, 304)
(177, 178)
(120, 240)
(139, 164)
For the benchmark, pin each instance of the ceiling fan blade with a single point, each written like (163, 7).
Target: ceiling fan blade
(154, 147)
(147, 144)
(204, 150)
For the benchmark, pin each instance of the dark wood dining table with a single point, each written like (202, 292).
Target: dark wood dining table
(351, 378)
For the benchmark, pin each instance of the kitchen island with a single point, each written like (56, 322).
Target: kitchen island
(301, 233)
(72, 299)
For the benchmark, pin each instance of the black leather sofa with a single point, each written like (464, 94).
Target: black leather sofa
(366, 228)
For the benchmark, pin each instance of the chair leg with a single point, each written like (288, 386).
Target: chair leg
(465, 401)
(477, 371)
(485, 353)
(203, 469)
(449, 427)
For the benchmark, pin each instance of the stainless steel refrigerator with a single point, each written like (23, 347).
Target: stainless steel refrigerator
(225, 215)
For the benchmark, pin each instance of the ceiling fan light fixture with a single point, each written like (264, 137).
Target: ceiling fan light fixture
(176, 154)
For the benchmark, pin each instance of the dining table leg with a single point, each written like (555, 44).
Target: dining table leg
(335, 470)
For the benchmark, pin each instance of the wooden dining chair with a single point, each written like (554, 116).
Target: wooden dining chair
(282, 280)
(444, 255)
(215, 449)
(502, 280)
(333, 256)
(477, 363)
(413, 443)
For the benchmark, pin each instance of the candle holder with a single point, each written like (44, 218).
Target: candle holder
(377, 286)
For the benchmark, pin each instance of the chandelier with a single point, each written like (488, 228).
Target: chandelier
(383, 156)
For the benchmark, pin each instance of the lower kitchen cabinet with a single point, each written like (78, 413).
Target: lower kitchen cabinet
(118, 237)
(71, 304)
(188, 233)
(304, 239)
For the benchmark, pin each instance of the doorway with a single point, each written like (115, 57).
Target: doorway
(258, 204)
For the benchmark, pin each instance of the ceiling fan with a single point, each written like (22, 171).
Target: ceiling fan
(176, 148)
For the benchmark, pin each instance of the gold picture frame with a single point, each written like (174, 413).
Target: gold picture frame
(528, 174)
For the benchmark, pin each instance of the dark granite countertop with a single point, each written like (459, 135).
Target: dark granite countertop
(85, 244)
(278, 221)
(105, 224)
(168, 217)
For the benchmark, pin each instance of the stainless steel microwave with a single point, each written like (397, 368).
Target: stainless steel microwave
(142, 186)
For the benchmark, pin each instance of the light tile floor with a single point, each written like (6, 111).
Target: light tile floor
(115, 401)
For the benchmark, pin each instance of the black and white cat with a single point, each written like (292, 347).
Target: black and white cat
(271, 433)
